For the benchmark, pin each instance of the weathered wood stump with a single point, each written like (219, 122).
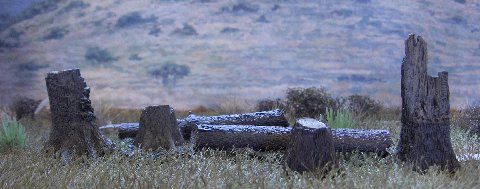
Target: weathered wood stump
(158, 129)
(266, 118)
(74, 131)
(311, 147)
(425, 134)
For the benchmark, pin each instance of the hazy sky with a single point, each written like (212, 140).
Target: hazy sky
(13, 7)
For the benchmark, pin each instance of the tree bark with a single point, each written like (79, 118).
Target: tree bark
(266, 138)
(74, 131)
(425, 134)
(311, 147)
(226, 137)
(158, 129)
(266, 118)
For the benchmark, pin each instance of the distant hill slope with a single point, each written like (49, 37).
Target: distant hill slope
(241, 49)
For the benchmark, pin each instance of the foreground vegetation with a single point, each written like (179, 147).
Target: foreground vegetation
(243, 168)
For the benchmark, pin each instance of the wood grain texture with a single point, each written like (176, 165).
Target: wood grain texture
(73, 121)
(425, 134)
(310, 147)
(265, 138)
(158, 129)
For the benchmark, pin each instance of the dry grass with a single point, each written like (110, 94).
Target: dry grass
(31, 168)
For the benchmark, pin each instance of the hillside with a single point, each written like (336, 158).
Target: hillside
(239, 49)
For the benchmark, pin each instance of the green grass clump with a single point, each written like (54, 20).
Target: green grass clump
(12, 134)
(339, 118)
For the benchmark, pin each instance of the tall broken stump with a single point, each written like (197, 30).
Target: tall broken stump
(74, 131)
(311, 147)
(425, 134)
(158, 129)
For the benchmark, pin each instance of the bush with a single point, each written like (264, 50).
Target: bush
(308, 102)
(24, 107)
(241, 8)
(29, 66)
(14, 34)
(56, 33)
(38, 7)
(361, 106)
(338, 119)
(99, 55)
(133, 18)
(170, 73)
(135, 57)
(26, 72)
(269, 104)
(155, 31)
(12, 134)
(469, 119)
(9, 44)
(74, 5)
(187, 30)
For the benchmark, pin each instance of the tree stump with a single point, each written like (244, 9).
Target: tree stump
(425, 134)
(311, 147)
(74, 130)
(158, 129)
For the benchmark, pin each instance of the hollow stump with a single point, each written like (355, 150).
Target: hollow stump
(311, 147)
(425, 134)
(74, 131)
(158, 129)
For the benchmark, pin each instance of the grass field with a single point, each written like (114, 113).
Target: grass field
(31, 168)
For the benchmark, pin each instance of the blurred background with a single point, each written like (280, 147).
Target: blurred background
(187, 53)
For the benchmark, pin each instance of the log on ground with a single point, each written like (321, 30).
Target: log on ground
(226, 137)
(266, 118)
(266, 138)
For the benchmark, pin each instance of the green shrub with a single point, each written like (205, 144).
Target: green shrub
(9, 44)
(38, 7)
(24, 107)
(12, 134)
(187, 30)
(338, 119)
(360, 106)
(308, 102)
(269, 104)
(99, 55)
(74, 5)
(469, 119)
(133, 18)
(26, 72)
(170, 73)
(14, 34)
(56, 33)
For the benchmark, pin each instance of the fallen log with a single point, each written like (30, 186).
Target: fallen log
(267, 138)
(226, 137)
(124, 130)
(265, 118)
